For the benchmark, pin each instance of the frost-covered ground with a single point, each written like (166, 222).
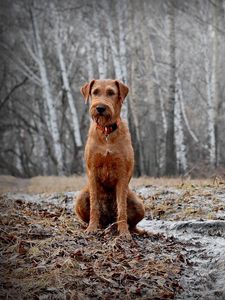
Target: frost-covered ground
(181, 257)
(202, 230)
(204, 277)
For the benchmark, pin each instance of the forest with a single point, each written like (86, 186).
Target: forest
(169, 53)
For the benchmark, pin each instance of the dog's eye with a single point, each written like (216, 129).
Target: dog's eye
(95, 92)
(110, 93)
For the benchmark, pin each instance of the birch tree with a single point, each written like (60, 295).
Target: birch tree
(181, 158)
(118, 51)
(99, 42)
(66, 85)
(210, 111)
(210, 79)
(170, 144)
(47, 93)
(134, 93)
(157, 84)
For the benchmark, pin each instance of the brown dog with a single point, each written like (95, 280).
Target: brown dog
(109, 161)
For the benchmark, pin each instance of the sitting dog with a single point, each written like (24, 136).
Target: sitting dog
(109, 160)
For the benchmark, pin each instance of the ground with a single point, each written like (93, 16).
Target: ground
(45, 253)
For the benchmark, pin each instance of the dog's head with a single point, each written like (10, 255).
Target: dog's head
(107, 97)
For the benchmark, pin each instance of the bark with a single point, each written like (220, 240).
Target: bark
(133, 98)
(151, 135)
(218, 7)
(210, 102)
(100, 43)
(116, 53)
(48, 96)
(121, 12)
(184, 115)
(90, 67)
(67, 89)
(181, 158)
(41, 145)
(10, 93)
(158, 88)
(170, 168)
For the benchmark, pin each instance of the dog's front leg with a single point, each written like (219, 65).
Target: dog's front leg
(121, 198)
(94, 207)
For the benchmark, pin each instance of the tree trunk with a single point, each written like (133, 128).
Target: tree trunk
(116, 54)
(66, 86)
(100, 43)
(161, 134)
(48, 97)
(179, 133)
(133, 98)
(170, 169)
(210, 101)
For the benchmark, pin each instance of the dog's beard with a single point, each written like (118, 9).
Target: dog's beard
(102, 120)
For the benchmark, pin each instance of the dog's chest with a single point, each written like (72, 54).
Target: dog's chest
(106, 165)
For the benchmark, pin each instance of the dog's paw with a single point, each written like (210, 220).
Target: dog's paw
(92, 228)
(139, 231)
(125, 235)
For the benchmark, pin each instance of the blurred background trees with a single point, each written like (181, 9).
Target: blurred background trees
(170, 53)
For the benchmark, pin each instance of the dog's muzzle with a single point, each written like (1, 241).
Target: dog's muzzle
(100, 109)
(101, 113)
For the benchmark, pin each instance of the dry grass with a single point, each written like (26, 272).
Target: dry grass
(166, 181)
(51, 184)
(47, 255)
(41, 184)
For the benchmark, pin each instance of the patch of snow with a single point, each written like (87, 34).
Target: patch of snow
(149, 191)
(205, 250)
(63, 200)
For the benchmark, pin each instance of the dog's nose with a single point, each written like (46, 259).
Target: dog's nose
(100, 109)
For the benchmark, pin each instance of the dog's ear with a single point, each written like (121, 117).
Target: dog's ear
(86, 90)
(123, 90)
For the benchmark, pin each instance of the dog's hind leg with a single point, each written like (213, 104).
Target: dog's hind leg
(135, 210)
(82, 205)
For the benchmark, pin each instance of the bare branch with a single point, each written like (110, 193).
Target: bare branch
(7, 97)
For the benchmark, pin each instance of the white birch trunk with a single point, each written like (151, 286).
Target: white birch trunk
(179, 133)
(40, 144)
(49, 99)
(210, 94)
(90, 67)
(191, 132)
(116, 57)
(18, 163)
(115, 52)
(170, 153)
(100, 43)
(162, 149)
(90, 56)
(101, 56)
(121, 10)
(133, 96)
(157, 81)
(75, 121)
(215, 68)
